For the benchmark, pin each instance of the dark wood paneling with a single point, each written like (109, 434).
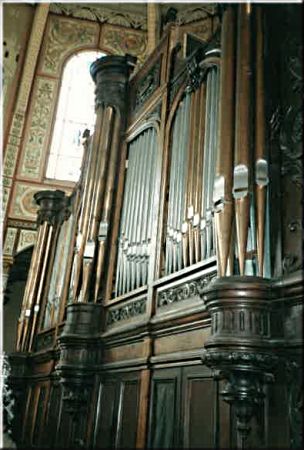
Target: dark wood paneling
(52, 418)
(198, 405)
(129, 414)
(105, 425)
(165, 402)
(40, 414)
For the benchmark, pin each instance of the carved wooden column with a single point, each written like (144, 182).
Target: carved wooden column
(80, 352)
(239, 346)
(79, 342)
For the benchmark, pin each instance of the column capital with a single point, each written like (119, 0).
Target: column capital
(53, 206)
(111, 74)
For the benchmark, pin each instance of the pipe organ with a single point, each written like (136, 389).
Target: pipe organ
(137, 213)
(149, 298)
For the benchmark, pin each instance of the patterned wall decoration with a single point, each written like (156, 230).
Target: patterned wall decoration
(63, 37)
(102, 13)
(13, 145)
(26, 239)
(120, 41)
(5, 196)
(17, 20)
(39, 127)
(23, 205)
(9, 243)
(22, 224)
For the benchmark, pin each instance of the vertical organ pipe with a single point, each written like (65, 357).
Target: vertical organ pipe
(107, 201)
(222, 195)
(132, 262)
(83, 222)
(30, 285)
(242, 135)
(36, 309)
(261, 166)
(98, 191)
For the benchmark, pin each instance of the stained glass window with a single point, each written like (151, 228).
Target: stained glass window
(75, 113)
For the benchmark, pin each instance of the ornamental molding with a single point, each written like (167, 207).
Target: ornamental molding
(126, 312)
(184, 292)
(102, 14)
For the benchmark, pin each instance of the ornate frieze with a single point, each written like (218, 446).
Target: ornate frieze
(183, 292)
(21, 224)
(63, 37)
(101, 13)
(194, 14)
(121, 41)
(39, 127)
(127, 311)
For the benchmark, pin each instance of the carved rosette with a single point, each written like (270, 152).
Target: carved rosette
(111, 75)
(79, 354)
(238, 347)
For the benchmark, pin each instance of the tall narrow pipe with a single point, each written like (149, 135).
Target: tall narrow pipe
(199, 174)
(222, 195)
(36, 308)
(206, 187)
(242, 134)
(30, 285)
(107, 202)
(83, 222)
(261, 166)
(98, 191)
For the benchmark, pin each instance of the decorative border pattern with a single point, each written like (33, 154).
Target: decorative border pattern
(39, 127)
(22, 224)
(120, 41)
(183, 292)
(126, 312)
(63, 37)
(101, 14)
(10, 238)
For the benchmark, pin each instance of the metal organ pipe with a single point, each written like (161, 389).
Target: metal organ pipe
(222, 194)
(136, 220)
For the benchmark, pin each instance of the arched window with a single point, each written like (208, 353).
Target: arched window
(75, 113)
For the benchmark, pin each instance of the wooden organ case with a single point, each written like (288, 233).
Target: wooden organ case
(149, 315)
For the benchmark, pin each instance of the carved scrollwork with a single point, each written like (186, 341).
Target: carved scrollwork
(262, 361)
(75, 397)
(184, 292)
(291, 144)
(148, 85)
(291, 263)
(126, 312)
